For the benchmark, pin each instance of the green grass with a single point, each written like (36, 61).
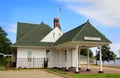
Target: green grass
(2, 68)
(95, 76)
(57, 71)
(85, 75)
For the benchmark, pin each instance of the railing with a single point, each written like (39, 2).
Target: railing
(30, 62)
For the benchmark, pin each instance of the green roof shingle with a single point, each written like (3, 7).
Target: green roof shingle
(31, 34)
(24, 28)
(78, 34)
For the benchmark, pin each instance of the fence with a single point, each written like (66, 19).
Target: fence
(31, 62)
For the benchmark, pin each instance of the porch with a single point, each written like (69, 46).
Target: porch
(70, 52)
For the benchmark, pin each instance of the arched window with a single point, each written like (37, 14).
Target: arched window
(48, 54)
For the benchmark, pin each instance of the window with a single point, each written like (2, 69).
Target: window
(59, 34)
(29, 55)
(48, 54)
(65, 55)
(53, 35)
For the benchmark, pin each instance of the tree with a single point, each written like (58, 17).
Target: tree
(119, 52)
(107, 55)
(4, 42)
(84, 52)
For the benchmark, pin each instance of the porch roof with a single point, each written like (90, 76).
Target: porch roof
(84, 33)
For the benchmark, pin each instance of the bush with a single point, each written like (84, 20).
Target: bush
(3, 61)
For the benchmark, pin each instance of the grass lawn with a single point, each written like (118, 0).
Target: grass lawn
(2, 68)
(85, 75)
(95, 76)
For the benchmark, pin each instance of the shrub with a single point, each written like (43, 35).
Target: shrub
(3, 61)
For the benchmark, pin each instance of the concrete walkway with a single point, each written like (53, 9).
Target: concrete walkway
(33, 73)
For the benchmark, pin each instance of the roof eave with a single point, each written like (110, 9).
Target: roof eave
(18, 46)
(82, 43)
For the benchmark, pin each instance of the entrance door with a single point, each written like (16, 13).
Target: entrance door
(45, 62)
(47, 58)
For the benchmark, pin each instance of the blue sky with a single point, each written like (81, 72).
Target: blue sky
(103, 14)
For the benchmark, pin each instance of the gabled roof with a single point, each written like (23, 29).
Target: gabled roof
(78, 34)
(31, 34)
(23, 28)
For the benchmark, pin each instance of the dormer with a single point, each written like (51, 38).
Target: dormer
(55, 34)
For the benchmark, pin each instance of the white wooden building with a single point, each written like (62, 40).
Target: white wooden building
(39, 45)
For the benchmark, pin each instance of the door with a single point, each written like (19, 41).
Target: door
(47, 58)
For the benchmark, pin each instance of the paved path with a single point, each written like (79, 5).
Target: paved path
(34, 73)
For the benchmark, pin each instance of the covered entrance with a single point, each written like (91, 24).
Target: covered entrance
(72, 56)
(85, 36)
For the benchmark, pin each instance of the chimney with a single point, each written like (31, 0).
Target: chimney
(56, 22)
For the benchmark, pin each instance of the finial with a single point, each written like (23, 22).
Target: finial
(88, 20)
(42, 22)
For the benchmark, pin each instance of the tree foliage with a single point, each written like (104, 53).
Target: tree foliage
(84, 52)
(4, 42)
(3, 61)
(107, 55)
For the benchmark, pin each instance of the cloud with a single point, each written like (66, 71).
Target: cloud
(12, 28)
(115, 47)
(105, 12)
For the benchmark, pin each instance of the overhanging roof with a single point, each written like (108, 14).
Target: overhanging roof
(32, 34)
(81, 32)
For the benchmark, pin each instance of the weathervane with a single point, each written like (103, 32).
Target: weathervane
(58, 12)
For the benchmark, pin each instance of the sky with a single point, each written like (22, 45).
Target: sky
(102, 14)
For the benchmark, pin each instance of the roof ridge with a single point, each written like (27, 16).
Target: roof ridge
(27, 23)
(83, 26)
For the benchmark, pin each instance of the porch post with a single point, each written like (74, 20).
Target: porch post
(88, 61)
(67, 68)
(54, 59)
(79, 59)
(101, 68)
(60, 59)
(77, 66)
